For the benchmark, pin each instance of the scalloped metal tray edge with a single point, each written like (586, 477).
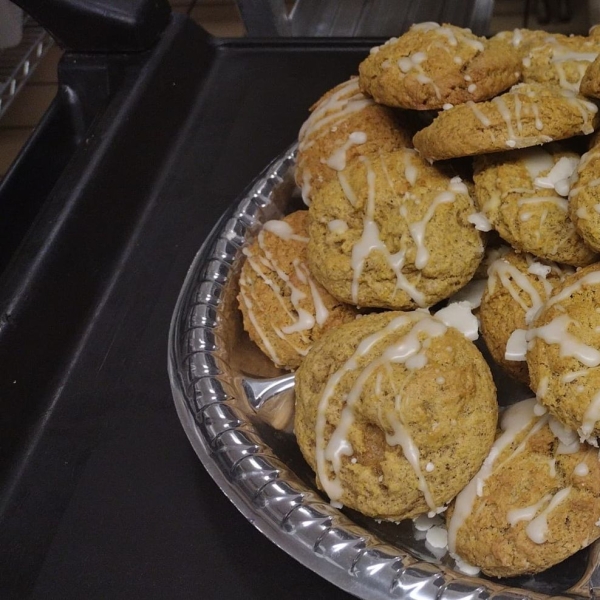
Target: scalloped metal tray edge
(244, 466)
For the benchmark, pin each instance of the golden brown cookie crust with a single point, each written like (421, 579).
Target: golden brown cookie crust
(407, 386)
(514, 191)
(517, 287)
(344, 124)
(564, 352)
(528, 115)
(560, 60)
(522, 40)
(505, 519)
(590, 83)
(584, 198)
(432, 65)
(393, 232)
(284, 309)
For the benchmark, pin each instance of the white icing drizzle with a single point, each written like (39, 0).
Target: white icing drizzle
(558, 177)
(437, 537)
(514, 421)
(417, 229)
(249, 306)
(425, 522)
(561, 55)
(592, 278)
(459, 316)
(586, 109)
(370, 241)
(542, 388)
(399, 353)
(406, 63)
(569, 441)
(517, 38)
(337, 160)
(410, 171)
(342, 103)
(516, 515)
(480, 221)
(537, 530)
(302, 320)
(514, 281)
(401, 437)
(479, 114)
(590, 417)
(347, 189)
(536, 160)
(573, 375)
(556, 332)
(425, 26)
(582, 213)
(516, 347)
(306, 186)
(346, 100)
(560, 203)
(581, 470)
(337, 226)
(470, 293)
(539, 125)
(284, 231)
(321, 312)
(506, 116)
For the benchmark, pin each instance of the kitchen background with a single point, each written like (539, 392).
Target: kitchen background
(221, 18)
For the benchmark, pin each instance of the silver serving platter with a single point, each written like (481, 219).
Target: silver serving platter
(237, 411)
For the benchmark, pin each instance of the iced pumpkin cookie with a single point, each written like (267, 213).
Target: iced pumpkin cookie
(393, 232)
(528, 115)
(432, 65)
(524, 196)
(284, 309)
(560, 60)
(517, 287)
(395, 413)
(563, 352)
(584, 198)
(342, 125)
(535, 501)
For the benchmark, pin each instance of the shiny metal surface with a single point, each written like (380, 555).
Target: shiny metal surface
(358, 18)
(237, 409)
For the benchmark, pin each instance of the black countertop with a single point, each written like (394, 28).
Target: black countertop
(103, 497)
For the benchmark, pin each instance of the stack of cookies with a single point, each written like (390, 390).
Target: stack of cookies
(496, 191)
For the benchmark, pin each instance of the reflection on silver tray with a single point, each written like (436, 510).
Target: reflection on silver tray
(238, 419)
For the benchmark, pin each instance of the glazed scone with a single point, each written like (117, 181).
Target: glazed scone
(584, 198)
(528, 115)
(535, 501)
(517, 287)
(395, 413)
(560, 60)
(563, 353)
(284, 309)
(342, 125)
(393, 232)
(432, 65)
(524, 193)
